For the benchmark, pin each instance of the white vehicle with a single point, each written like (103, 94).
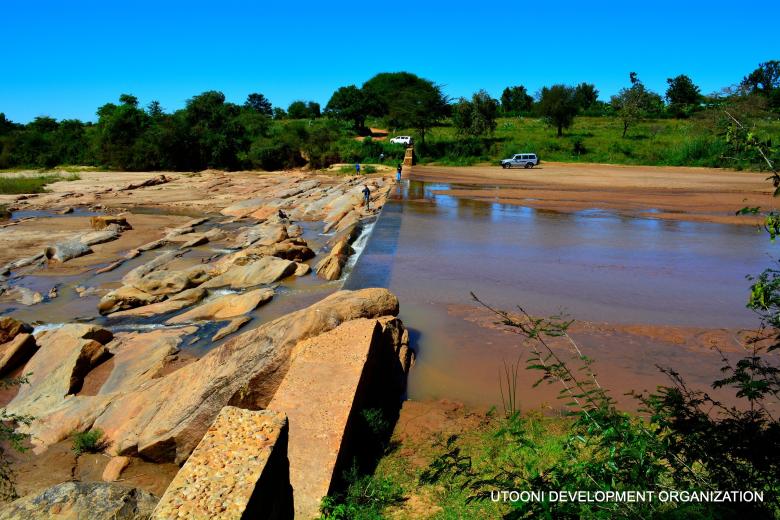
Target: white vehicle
(526, 160)
(402, 139)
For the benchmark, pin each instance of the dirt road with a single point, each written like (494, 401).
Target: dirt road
(694, 194)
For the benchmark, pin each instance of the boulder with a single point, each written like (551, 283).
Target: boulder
(267, 269)
(114, 468)
(302, 269)
(65, 251)
(80, 500)
(224, 307)
(103, 221)
(65, 355)
(16, 352)
(172, 304)
(10, 328)
(126, 297)
(165, 419)
(170, 282)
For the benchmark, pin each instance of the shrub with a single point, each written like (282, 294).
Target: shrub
(366, 498)
(31, 184)
(91, 441)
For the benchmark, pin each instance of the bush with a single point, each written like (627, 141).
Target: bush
(91, 441)
(366, 498)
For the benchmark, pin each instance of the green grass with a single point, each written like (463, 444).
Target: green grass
(31, 183)
(407, 487)
(659, 142)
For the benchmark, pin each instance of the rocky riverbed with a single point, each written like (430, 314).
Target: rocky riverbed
(141, 304)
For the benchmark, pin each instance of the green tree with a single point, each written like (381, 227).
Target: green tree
(155, 110)
(515, 100)
(420, 107)
(476, 117)
(279, 113)
(558, 105)
(216, 136)
(683, 95)
(586, 95)
(118, 128)
(350, 104)
(765, 81)
(303, 110)
(632, 104)
(259, 103)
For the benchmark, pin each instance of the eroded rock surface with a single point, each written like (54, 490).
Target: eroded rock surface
(83, 500)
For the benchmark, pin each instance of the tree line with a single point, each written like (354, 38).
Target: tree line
(210, 132)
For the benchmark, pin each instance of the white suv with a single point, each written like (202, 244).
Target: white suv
(526, 160)
(401, 139)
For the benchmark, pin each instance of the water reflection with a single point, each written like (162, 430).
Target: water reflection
(597, 265)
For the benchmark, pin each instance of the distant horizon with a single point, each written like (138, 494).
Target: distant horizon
(66, 61)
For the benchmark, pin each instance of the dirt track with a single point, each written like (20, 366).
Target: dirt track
(695, 194)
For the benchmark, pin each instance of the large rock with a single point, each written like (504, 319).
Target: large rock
(238, 470)
(126, 297)
(16, 352)
(267, 269)
(103, 221)
(165, 419)
(172, 304)
(224, 307)
(11, 327)
(81, 501)
(65, 355)
(330, 267)
(65, 251)
(137, 360)
(160, 283)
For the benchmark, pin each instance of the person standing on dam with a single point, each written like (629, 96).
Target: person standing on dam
(398, 174)
(357, 168)
(367, 196)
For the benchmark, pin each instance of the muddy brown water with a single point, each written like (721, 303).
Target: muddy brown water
(643, 291)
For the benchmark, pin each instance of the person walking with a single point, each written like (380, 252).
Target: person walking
(398, 174)
(367, 196)
(382, 157)
(357, 168)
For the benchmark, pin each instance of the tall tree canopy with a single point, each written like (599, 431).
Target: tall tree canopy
(515, 100)
(259, 103)
(558, 105)
(682, 94)
(350, 104)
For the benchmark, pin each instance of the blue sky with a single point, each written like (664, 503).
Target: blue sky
(66, 58)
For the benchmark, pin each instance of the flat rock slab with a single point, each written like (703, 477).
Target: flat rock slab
(238, 470)
(267, 269)
(318, 394)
